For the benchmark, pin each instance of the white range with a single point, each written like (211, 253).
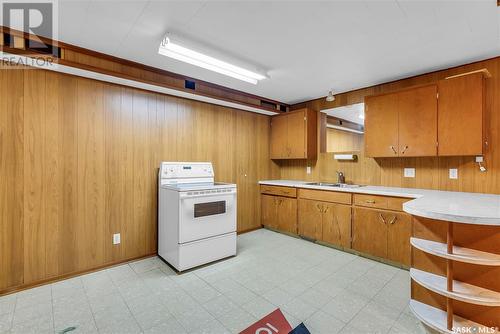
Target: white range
(196, 216)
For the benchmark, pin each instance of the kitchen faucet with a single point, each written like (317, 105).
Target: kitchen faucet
(340, 177)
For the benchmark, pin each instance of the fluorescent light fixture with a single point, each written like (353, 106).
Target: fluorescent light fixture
(343, 128)
(184, 54)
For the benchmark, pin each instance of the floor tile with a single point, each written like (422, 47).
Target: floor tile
(167, 326)
(195, 319)
(237, 320)
(345, 306)
(298, 309)
(323, 323)
(375, 318)
(6, 322)
(277, 297)
(8, 303)
(328, 289)
(259, 307)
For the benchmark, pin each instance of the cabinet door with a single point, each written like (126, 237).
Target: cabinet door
(279, 145)
(310, 216)
(369, 232)
(381, 126)
(269, 211)
(398, 238)
(337, 225)
(460, 116)
(287, 214)
(418, 122)
(297, 135)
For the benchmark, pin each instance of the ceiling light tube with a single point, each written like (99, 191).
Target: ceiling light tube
(184, 54)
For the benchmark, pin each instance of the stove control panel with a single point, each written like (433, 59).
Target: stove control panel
(186, 170)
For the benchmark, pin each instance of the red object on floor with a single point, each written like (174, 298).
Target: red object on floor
(273, 323)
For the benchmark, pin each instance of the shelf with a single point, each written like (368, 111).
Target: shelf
(461, 291)
(459, 253)
(436, 319)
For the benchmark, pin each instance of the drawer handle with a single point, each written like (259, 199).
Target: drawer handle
(370, 201)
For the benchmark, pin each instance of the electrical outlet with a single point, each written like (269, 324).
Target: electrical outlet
(453, 173)
(409, 172)
(116, 238)
(479, 159)
(308, 169)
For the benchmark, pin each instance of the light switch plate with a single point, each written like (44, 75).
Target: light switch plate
(453, 173)
(116, 238)
(308, 169)
(409, 172)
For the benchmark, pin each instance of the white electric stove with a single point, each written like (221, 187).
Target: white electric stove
(196, 216)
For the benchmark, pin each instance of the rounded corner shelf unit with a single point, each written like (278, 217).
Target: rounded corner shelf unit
(436, 319)
(461, 291)
(459, 254)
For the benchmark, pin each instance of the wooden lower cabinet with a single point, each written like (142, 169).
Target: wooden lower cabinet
(328, 222)
(279, 213)
(398, 239)
(310, 219)
(287, 215)
(269, 211)
(337, 225)
(382, 233)
(369, 232)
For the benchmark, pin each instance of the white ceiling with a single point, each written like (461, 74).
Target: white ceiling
(306, 47)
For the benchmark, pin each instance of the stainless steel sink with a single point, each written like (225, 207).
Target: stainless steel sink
(337, 185)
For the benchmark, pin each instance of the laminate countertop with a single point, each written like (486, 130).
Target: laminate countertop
(459, 207)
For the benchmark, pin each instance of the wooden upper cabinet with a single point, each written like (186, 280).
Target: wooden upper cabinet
(445, 119)
(294, 135)
(279, 137)
(381, 126)
(461, 115)
(417, 109)
(402, 124)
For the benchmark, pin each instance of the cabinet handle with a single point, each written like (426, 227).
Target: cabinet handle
(394, 149)
(404, 149)
(325, 209)
(393, 220)
(370, 201)
(382, 218)
(317, 207)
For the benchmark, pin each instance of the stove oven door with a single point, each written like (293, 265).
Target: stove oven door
(206, 214)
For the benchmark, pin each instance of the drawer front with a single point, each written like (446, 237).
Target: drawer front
(326, 196)
(380, 202)
(278, 191)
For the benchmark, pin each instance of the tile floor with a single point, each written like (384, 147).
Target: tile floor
(329, 290)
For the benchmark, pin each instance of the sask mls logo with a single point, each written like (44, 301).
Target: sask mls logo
(38, 18)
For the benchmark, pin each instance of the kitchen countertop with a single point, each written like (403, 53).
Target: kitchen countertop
(459, 207)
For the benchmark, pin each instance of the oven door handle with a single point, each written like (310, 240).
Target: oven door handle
(184, 195)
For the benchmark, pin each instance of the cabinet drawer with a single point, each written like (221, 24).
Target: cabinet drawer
(325, 196)
(279, 191)
(380, 202)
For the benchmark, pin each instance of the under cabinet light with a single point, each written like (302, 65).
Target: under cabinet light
(184, 54)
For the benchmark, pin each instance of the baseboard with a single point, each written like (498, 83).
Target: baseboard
(70, 275)
(249, 230)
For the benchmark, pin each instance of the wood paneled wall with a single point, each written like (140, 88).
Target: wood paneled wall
(431, 172)
(79, 161)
